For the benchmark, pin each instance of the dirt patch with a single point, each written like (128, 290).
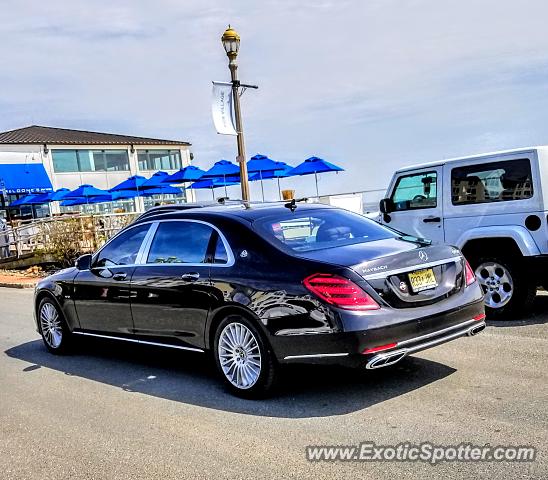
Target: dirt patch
(21, 278)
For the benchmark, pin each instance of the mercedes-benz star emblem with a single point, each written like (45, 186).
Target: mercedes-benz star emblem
(423, 255)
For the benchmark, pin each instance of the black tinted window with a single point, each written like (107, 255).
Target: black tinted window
(491, 182)
(180, 242)
(123, 249)
(314, 230)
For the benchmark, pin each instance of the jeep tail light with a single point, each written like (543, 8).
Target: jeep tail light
(470, 275)
(339, 292)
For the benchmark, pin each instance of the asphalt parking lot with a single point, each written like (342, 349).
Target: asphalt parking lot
(116, 411)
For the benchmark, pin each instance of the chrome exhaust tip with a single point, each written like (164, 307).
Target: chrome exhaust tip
(476, 329)
(385, 359)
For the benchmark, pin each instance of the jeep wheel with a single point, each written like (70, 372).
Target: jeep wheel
(509, 293)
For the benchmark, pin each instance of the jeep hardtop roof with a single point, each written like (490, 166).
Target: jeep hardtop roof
(480, 155)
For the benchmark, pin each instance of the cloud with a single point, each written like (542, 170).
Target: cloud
(369, 85)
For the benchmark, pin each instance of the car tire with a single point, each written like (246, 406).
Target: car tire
(509, 292)
(53, 327)
(244, 358)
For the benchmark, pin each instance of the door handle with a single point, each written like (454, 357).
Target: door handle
(119, 276)
(431, 219)
(191, 277)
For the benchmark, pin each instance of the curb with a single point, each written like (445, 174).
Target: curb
(17, 285)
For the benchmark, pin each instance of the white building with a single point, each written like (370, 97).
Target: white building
(71, 158)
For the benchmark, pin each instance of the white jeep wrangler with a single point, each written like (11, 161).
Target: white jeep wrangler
(493, 207)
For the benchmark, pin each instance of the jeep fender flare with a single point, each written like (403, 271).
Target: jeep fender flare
(519, 234)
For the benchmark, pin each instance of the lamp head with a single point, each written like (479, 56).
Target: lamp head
(231, 42)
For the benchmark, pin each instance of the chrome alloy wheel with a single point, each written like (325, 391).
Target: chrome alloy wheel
(496, 282)
(239, 355)
(50, 324)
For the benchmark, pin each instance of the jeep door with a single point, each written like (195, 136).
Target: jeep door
(417, 204)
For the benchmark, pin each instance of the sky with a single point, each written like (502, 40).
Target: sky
(370, 85)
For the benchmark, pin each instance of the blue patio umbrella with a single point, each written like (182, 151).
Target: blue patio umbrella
(164, 190)
(26, 200)
(315, 165)
(85, 191)
(282, 171)
(87, 200)
(187, 174)
(222, 170)
(132, 183)
(101, 198)
(261, 164)
(213, 183)
(73, 202)
(156, 181)
(59, 194)
(124, 194)
(88, 192)
(42, 198)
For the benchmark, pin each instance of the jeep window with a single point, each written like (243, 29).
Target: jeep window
(491, 182)
(415, 191)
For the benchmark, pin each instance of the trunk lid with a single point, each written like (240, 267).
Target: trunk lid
(390, 266)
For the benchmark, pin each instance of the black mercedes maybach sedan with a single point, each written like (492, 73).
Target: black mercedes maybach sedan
(262, 285)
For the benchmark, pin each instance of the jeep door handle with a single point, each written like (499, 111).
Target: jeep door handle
(431, 219)
(119, 276)
(190, 277)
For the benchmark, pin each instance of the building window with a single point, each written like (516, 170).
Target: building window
(159, 159)
(90, 160)
(65, 160)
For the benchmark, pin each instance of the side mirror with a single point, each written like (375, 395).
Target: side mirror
(84, 262)
(386, 205)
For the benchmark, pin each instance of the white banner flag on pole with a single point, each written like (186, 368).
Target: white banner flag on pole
(221, 108)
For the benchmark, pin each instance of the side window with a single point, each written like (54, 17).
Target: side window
(123, 249)
(491, 182)
(221, 255)
(415, 191)
(180, 242)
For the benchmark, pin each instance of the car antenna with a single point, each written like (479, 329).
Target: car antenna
(292, 205)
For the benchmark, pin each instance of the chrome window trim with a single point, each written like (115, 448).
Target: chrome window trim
(229, 253)
(412, 268)
(144, 249)
(145, 246)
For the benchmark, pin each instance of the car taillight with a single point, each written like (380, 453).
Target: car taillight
(470, 275)
(340, 292)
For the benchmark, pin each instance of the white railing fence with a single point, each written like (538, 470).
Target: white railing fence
(85, 232)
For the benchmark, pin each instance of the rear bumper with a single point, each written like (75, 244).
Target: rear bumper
(408, 336)
(413, 345)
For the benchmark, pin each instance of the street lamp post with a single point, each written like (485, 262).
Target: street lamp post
(231, 43)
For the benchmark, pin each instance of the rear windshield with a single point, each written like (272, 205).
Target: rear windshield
(319, 229)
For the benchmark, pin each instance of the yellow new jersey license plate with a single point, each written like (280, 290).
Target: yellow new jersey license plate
(422, 280)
